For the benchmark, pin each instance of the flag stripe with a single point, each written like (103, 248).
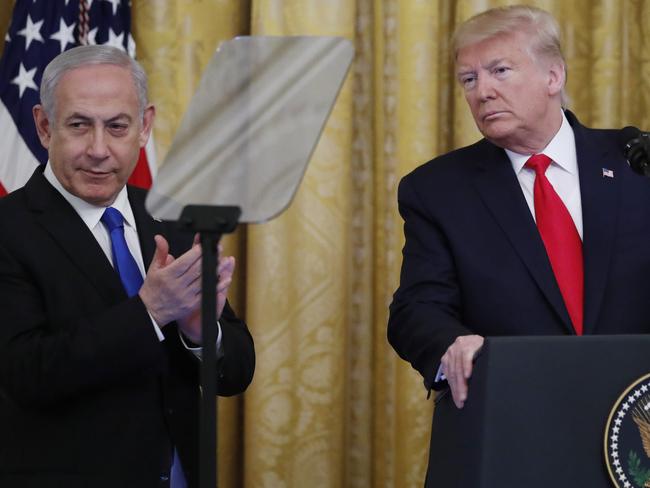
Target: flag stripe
(18, 161)
(141, 176)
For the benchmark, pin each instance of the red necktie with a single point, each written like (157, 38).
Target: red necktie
(561, 239)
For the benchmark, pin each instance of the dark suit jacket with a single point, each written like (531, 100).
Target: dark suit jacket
(88, 394)
(474, 262)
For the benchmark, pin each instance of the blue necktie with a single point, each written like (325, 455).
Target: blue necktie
(122, 258)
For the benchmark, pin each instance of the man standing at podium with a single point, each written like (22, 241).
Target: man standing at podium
(540, 228)
(100, 336)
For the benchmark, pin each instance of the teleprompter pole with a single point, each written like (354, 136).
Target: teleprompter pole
(211, 222)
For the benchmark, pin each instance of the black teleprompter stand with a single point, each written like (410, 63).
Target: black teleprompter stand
(211, 222)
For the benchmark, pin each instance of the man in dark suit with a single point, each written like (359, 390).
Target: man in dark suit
(99, 382)
(498, 245)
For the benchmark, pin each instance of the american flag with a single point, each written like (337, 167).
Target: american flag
(39, 31)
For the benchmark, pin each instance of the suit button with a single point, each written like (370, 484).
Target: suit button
(170, 411)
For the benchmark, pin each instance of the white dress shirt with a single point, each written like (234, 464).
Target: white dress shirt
(562, 173)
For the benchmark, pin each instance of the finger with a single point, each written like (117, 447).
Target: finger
(467, 363)
(161, 254)
(447, 364)
(456, 387)
(470, 352)
(460, 385)
(461, 392)
(192, 274)
(224, 285)
(226, 266)
(186, 261)
(194, 286)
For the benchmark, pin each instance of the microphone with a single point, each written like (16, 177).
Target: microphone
(636, 148)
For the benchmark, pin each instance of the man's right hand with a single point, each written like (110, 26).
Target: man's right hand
(457, 363)
(172, 287)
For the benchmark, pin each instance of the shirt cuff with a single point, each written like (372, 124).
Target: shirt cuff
(440, 376)
(198, 351)
(159, 333)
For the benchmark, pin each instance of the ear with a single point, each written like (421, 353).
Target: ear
(43, 127)
(147, 124)
(556, 78)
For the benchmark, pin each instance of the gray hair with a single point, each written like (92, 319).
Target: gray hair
(81, 56)
(540, 25)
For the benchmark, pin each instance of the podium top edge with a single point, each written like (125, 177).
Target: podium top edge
(561, 338)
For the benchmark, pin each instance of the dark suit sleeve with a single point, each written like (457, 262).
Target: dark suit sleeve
(237, 364)
(43, 362)
(425, 315)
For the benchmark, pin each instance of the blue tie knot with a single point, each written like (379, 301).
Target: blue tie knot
(112, 218)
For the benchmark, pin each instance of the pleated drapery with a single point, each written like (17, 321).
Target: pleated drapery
(331, 405)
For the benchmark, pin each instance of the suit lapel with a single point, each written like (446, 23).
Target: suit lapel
(499, 188)
(147, 227)
(65, 226)
(600, 201)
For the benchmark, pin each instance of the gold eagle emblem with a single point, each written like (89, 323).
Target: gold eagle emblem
(641, 417)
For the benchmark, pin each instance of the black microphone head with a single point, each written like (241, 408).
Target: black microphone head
(636, 148)
(626, 134)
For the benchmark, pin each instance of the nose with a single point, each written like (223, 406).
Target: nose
(485, 88)
(97, 144)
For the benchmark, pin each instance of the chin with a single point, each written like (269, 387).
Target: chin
(98, 198)
(497, 132)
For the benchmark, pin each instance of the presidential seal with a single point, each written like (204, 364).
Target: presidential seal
(627, 437)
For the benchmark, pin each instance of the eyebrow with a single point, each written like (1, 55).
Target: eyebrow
(77, 115)
(489, 66)
(495, 62)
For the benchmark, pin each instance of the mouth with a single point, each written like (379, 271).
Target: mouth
(492, 115)
(96, 174)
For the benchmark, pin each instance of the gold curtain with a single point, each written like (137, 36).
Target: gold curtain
(331, 405)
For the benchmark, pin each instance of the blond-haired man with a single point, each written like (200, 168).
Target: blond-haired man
(537, 229)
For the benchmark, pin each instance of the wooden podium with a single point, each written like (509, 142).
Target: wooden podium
(536, 413)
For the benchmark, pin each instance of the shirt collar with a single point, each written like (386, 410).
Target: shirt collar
(89, 213)
(561, 149)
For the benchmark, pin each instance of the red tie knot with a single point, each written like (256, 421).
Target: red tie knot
(538, 162)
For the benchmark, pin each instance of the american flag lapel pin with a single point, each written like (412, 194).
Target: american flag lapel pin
(608, 173)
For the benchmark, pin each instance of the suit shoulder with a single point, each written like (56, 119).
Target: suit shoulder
(12, 206)
(451, 167)
(137, 195)
(17, 221)
(608, 140)
(610, 136)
